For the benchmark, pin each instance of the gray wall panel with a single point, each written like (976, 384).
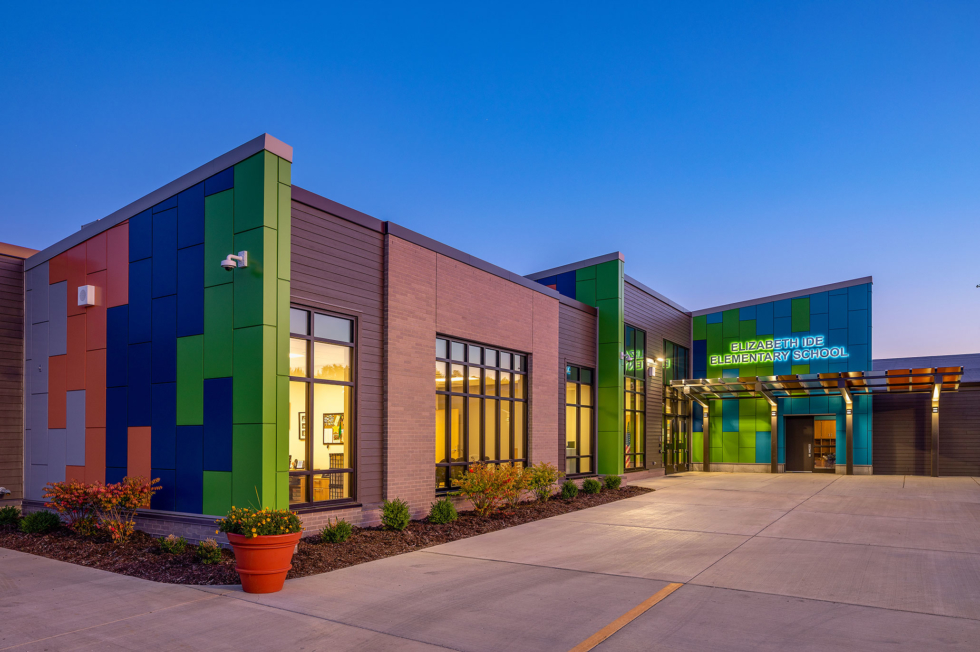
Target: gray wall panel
(76, 428)
(27, 400)
(39, 307)
(39, 359)
(58, 319)
(39, 429)
(57, 454)
(28, 353)
(38, 478)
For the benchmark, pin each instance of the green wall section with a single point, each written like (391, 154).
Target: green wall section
(243, 311)
(601, 286)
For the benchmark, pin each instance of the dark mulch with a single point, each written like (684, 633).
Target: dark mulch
(141, 555)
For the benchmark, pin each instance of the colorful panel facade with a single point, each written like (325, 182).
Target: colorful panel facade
(809, 334)
(172, 372)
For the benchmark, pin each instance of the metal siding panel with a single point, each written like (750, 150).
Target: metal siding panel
(164, 426)
(57, 454)
(164, 253)
(40, 287)
(140, 301)
(190, 291)
(117, 427)
(39, 358)
(163, 367)
(190, 217)
(58, 318)
(139, 385)
(39, 429)
(165, 498)
(141, 236)
(117, 347)
(75, 430)
(218, 415)
(189, 476)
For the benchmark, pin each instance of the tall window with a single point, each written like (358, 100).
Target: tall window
(634, 398)
(578, 421)
(321, 387)
(481, 408)
(675, 362)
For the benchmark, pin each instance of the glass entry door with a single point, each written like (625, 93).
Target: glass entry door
(674, 441)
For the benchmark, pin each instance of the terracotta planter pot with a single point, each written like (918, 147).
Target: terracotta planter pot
(262, 562)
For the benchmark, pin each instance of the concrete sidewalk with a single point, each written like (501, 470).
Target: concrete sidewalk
(768, 562)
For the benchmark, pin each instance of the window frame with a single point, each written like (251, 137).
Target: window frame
(578, 419)
(483, 397)
(311, 383)
(636, 375)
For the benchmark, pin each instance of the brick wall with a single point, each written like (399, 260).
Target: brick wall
(429, 293)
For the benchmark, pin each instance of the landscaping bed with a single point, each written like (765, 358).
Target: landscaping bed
(141, 556)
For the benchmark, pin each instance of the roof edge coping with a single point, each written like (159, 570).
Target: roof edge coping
(785, 295)
(554, 271)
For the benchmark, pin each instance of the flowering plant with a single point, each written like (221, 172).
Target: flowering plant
(543, 477)
(485, 486)
(251, 523)
(72, 499)
(107, 508)
(516, 481)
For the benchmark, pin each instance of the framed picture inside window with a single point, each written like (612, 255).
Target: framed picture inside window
(302, 426)
(333, 428)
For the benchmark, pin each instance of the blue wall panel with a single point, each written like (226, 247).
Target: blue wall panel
(782, 308)
(782, 326)
(116, 427)
(190, 291)
(140, 283)
(747, 313)
(190, 217)
(164, 499)
(224, 180)
(700, 358)
(566, 284)
(189, 472)
(729, 416)
(117, 347)
(165, 253)
(140, 236)
(114, 474)
(818, 305)
(139, 384)
(217, 424)
(763, 447)
(164, 343)
(763, 319)
(166, 204)
(714, 318)
(163, 435)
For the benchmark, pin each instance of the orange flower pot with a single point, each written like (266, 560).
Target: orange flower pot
(262, 562)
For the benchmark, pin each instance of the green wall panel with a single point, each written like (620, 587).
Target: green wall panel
(746, 439)
(801, 315)
(729, 322)
(255, 375)
(247, 461)
(282, 423)
(219, 236)
(256, 192)
(801, 369)
(282, 334)
(585, 273)
(219, 330)
(217, 492)
(190, 380)
(716, 455)
(585, 291)
(282, 490)
(285, 172)
(746, 329)
(609, 280)
(700, 326)
(747, 455)
(610, 322)
(697, 447)
(284, 229)
(255, 287)
(729, 443)
(609, 301)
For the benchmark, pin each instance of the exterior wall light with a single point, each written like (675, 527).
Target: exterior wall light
(88, 295)
(233, 261)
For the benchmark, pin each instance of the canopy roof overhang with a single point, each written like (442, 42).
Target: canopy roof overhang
(845, 384)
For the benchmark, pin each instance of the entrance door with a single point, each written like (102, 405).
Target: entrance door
(675, 444)
(799, 443)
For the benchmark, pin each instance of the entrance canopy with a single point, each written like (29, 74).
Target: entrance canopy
(845, 384)
(935, 381)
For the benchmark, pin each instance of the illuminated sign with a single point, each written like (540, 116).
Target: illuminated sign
(780, 349)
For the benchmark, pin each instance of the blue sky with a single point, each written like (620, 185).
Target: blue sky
(729, 150)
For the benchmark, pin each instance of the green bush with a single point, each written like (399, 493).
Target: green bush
(173, 545)
(209, 552)
(337, 532)
(39, 522)
(569, 489)
(395, 514)
(9, 515)
(259, 522)
(443, 511)
(543, 479)
(591, 486)
(613, 482)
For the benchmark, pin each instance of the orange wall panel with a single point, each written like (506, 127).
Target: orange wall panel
(76, 350)
(58, 268)
(138, 460)
(95, 327)
(57, 391)
(75, 261)
(75, 473)
(117, 266)
(95, 255)
(95, 455)
(95, 389)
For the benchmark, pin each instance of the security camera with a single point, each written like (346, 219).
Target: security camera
(233, 261)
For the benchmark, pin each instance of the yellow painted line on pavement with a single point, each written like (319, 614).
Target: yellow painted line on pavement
(625, 619)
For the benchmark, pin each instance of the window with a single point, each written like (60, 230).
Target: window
(634, 399)
(675, 362)
(481, 408)
(579, 441)
(321, 388)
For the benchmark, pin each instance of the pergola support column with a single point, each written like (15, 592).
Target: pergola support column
(849, 425)
(705, 434)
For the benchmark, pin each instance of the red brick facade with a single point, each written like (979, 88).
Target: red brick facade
(429, 294)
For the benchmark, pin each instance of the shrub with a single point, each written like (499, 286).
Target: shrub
(483, 484)
(40, 522)
(514, 483)
(395, 514)
(569, 489)
(591, 486)
(542, 481)
(252, 523)
(73, 500)
(443, 511)
(9, 515)
(173, 544)
(338, 532)
(209, 552)
(613, 482)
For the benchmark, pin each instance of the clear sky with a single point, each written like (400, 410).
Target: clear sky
(730, 150)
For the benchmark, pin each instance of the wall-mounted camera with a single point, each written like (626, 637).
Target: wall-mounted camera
(233, 261)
